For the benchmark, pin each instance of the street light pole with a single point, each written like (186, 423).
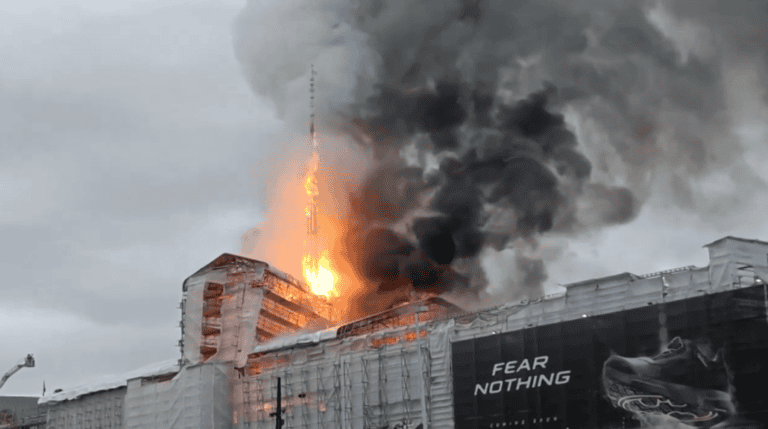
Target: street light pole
(278, 414)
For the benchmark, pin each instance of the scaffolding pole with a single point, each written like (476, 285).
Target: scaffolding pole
(424, 375)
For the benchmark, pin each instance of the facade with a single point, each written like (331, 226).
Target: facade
(695, 362)
(546, 363)
(102, 409)
(682, 348)
(234, 303)
(195, 398)
(20, 412)
(101, 404)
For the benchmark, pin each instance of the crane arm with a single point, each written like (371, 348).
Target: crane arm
(29, 361)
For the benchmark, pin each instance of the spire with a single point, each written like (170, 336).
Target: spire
(312, 181)
(312, 104)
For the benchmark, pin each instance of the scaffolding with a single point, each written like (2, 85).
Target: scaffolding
(374, 373)
(102, 409)
(195, 398)
(346, 383)
(20, 412)
(235, 303)
(389, 370)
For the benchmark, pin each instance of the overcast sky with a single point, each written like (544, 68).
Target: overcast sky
(130, 142)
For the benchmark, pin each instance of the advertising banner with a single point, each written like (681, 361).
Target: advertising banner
(695, 363)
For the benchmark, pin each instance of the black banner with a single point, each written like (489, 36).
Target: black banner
(696, 363)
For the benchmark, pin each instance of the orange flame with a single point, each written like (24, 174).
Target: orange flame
(310, 185)
(316, 267)
(319, 274)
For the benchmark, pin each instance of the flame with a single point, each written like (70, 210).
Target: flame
(310, 185)
(316, 263)
(319, 274)
(305, 193)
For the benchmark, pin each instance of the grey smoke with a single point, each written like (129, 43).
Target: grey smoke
(523, 162)
(494, 123)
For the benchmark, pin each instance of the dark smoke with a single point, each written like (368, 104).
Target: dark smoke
(482, 117)
(514, 163)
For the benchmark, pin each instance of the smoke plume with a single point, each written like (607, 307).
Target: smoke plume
(490, 124)
(473, 180)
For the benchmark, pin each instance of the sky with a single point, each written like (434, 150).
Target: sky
(133, 150)
(129, 141)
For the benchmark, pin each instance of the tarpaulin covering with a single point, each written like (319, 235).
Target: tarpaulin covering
(193, 318)
(615, 352)
(358, 382)
(197, 398)
(103, 409)
(108, 382)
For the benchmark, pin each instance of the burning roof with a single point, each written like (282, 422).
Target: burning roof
(235, 302)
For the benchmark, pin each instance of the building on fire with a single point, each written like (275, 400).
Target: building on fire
(683, 348)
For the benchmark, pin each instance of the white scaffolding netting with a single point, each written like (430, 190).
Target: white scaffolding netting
(197, 398)
(112, 381)
(349, 383)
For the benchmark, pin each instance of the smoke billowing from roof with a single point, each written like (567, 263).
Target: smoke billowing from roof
(474, 178)
(492, 123)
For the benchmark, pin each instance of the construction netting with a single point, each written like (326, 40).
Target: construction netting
(357, 382)
(104, 409)
(196, 398)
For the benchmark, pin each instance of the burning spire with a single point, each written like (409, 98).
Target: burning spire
(311, 182)
(316, 260)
